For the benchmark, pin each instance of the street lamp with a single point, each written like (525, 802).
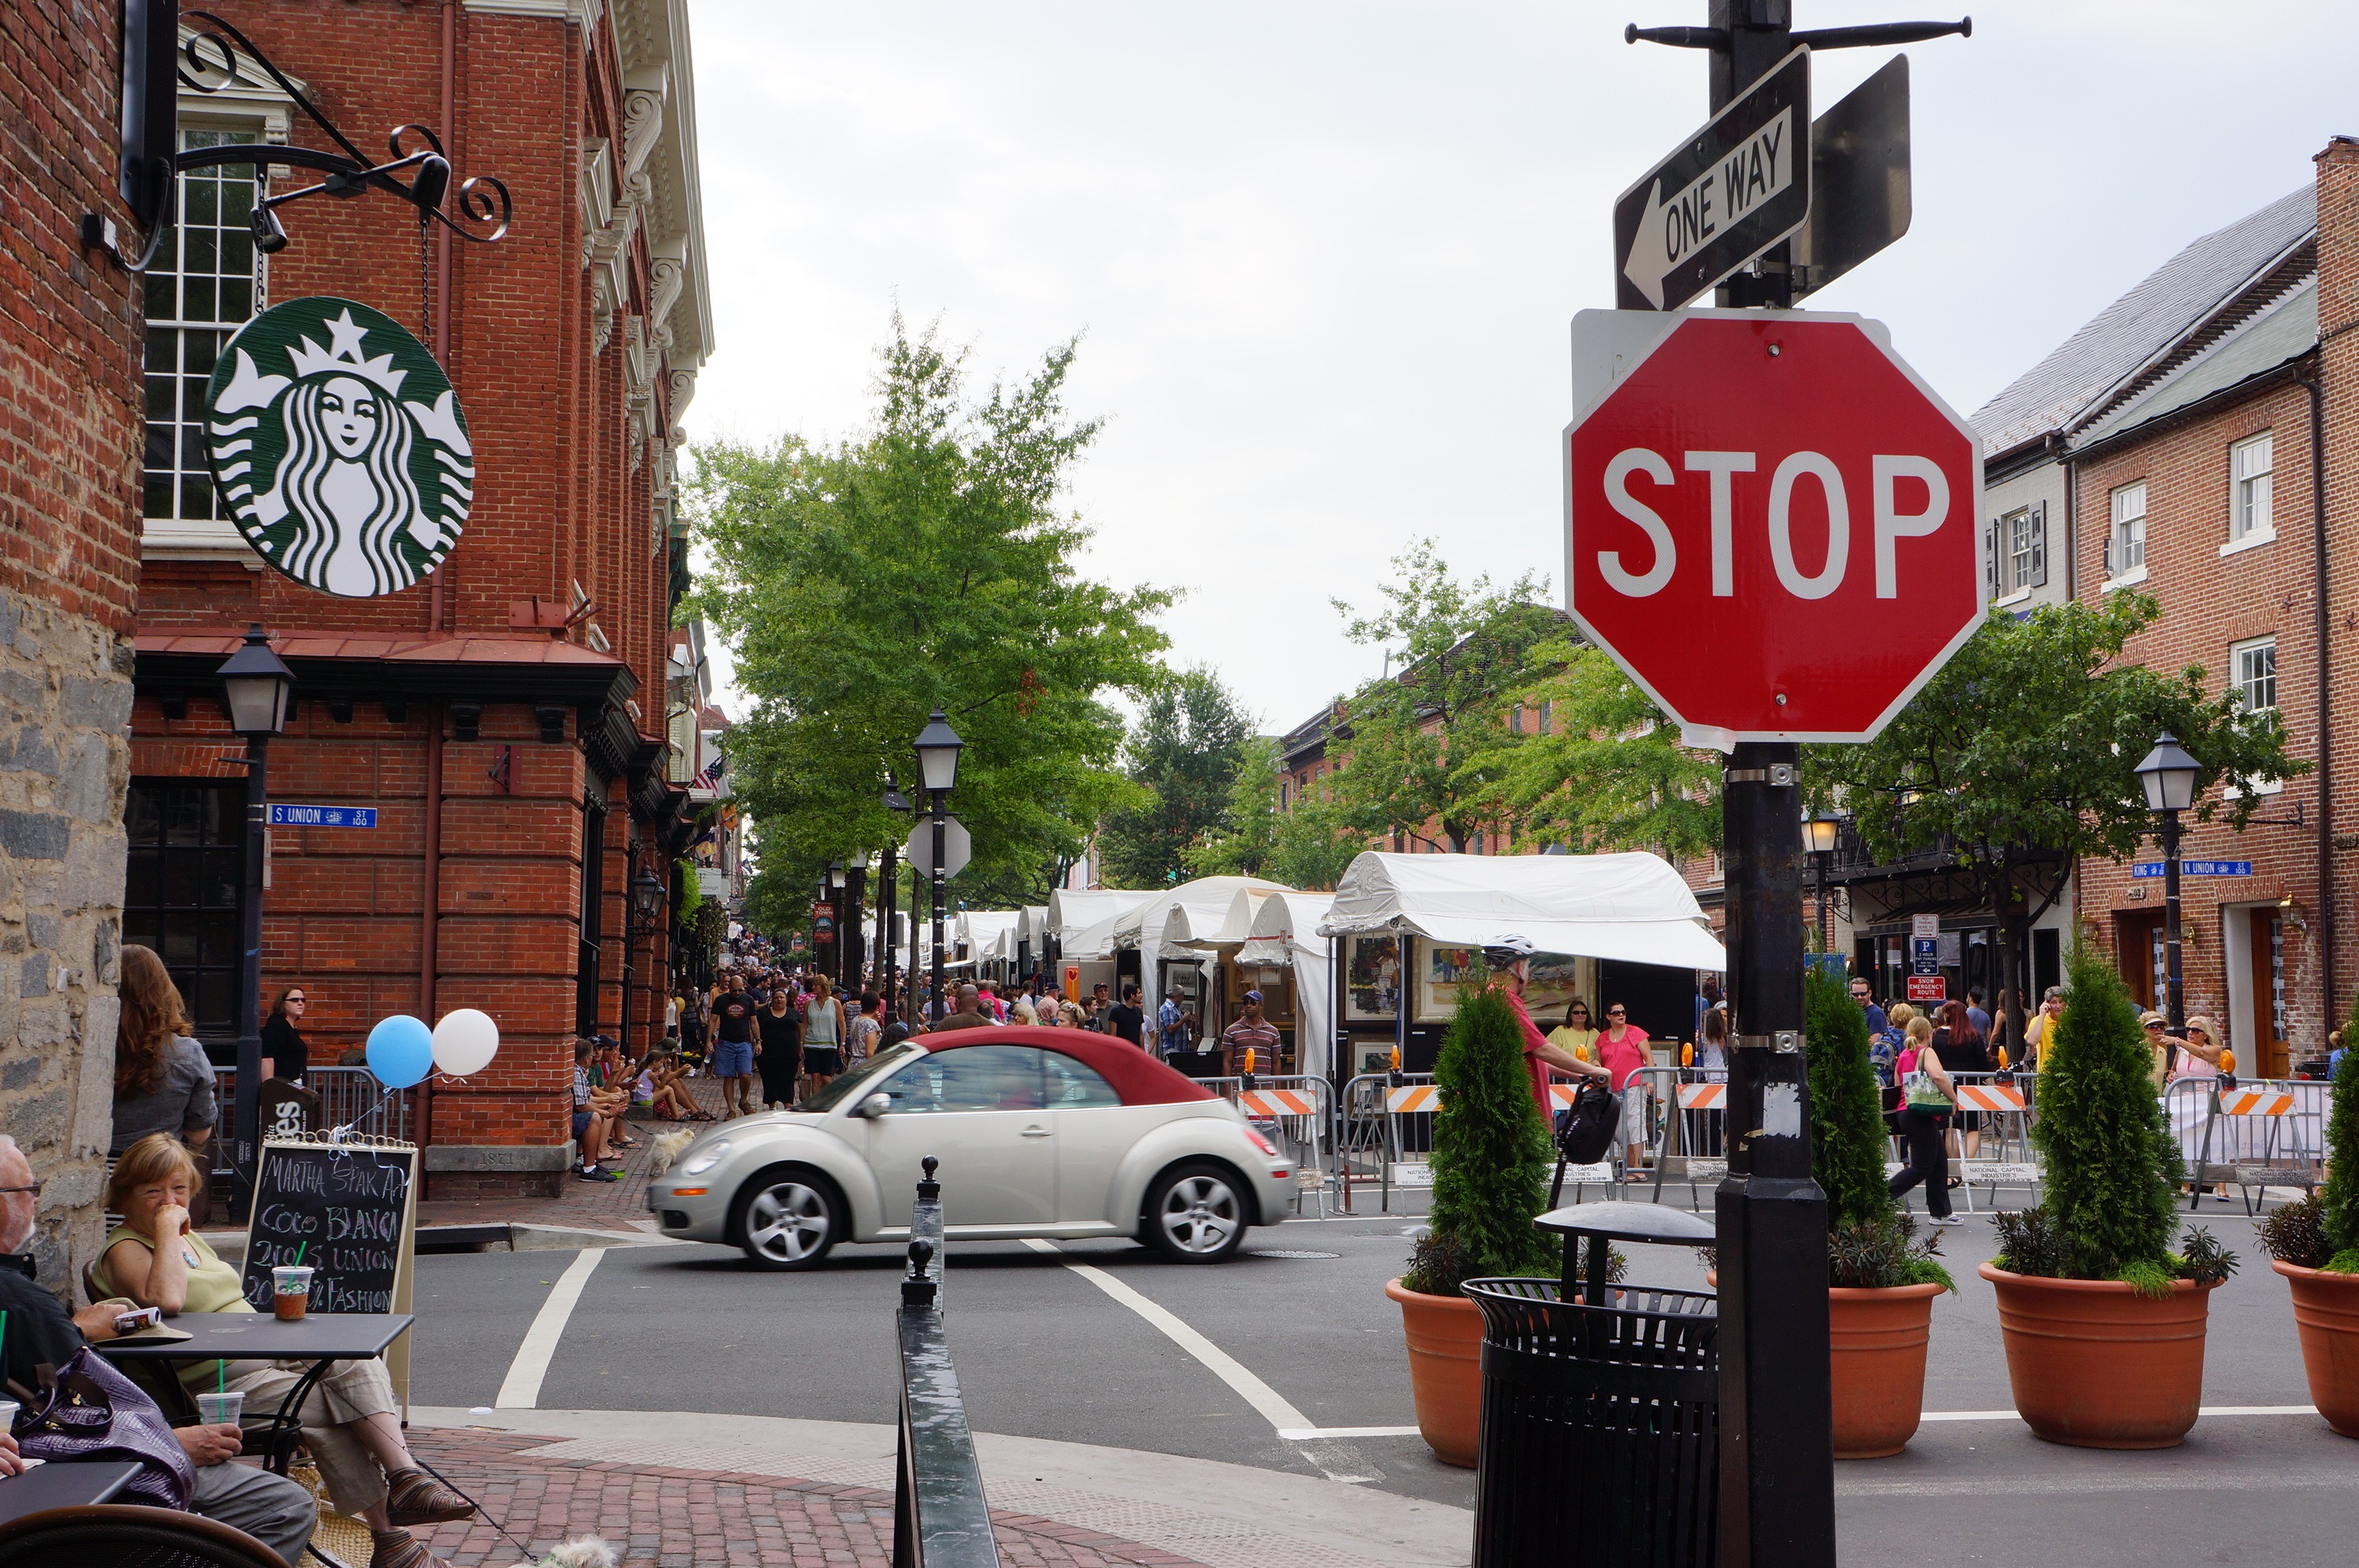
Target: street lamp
(255, 682)
(2169, 774)
(647, 896)
(938, 748)
(1818, 833)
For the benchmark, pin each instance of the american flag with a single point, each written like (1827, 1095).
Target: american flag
(714, 769)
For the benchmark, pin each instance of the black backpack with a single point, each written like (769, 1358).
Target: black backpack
(1584, 1130)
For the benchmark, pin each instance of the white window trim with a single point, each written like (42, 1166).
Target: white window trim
(2250, 541)
(2131, 579)
(2017, 597)
(2262, 787)
(2236, 482)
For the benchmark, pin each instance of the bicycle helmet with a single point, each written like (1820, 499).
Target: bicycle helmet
(1505, 949)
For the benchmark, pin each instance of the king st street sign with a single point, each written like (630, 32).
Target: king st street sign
(339, 447)
(1738, 186)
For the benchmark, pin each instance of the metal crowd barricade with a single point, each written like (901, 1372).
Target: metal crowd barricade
(2005, 1157)
(348, 1097)
(1301, 1109)
(2265, 1133)
(1689, 1130)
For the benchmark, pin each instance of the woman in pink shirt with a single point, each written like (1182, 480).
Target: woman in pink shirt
(1622, 1048)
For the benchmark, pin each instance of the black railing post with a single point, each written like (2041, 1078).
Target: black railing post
(940, 1518)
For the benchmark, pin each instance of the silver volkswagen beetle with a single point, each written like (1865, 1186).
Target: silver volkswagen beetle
(1047, 1132)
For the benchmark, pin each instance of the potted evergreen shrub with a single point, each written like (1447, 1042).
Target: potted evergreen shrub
(2103, 1323)
(1492, 1157)
(2315, 1245)
(1881, 1278)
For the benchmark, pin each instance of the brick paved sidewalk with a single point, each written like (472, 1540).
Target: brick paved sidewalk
(590, 1205)
(660, 1518)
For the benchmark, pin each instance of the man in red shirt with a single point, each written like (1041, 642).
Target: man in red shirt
(1511, 956)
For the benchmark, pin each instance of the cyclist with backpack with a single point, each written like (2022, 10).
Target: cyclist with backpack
(1509, 956)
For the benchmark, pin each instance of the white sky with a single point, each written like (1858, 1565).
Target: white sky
(1324, 255)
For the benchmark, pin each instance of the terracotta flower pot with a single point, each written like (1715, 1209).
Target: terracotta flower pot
(2326, 1314)
(2096, 1365)
(1445, 1369)
(1879, 1340)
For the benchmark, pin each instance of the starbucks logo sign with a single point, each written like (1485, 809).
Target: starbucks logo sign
(338, 445)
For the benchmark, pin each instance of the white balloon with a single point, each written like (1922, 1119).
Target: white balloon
(465, 1042)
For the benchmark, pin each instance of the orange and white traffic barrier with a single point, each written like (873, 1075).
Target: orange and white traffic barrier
(1703, 1096)
(2257, 1102)
(1413, 1100)
(1276, 1102)
(2001, 1098)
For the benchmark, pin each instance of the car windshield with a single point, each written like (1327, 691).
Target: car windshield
(851, 1085)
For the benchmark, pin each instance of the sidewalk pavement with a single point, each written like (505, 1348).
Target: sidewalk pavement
(584, 1206)
(686, 1490)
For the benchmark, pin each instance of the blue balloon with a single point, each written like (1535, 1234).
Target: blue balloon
(400, 1050)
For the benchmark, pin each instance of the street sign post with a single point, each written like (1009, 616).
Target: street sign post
(958, 849)
(1736, 188)
(1927, 987)
(1861, 197)
(1787, 481)
(285, 815)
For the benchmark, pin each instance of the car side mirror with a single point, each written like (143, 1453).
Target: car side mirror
(875, 1105)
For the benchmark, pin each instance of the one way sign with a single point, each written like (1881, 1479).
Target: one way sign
(1739, 185)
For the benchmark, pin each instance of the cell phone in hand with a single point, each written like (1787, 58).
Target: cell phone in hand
(137, 1318)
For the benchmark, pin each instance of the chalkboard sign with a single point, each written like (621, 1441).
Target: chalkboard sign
(347, 1209)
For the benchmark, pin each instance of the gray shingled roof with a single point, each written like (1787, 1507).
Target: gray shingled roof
(2286, 330)
(2135, 328)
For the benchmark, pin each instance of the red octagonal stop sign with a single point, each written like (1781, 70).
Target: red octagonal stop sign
(1772, 523)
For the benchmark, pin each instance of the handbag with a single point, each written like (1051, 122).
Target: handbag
(91, 1411)
(1584, 1130)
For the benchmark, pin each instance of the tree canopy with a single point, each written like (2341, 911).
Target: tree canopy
(1608, 773)
(1307, 845)
(921, 564)
(1183, 753)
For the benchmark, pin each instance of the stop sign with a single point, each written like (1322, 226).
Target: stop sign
(1772, 523)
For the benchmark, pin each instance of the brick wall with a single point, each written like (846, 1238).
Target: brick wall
(70, 339)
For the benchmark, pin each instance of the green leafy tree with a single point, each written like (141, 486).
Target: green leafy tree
(1306, 845)
(2026, 745)
(922, 564)
(1183, 754)
(1430, 743)
(1847, 1135)
(1490, 1153)
(1610, 773)
(2112, 1164)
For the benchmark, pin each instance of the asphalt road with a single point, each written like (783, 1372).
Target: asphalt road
(1044, 1352)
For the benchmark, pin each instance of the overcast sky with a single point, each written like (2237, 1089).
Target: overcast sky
(1323, 256)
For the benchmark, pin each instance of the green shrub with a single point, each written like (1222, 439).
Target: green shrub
(2112, 1164)
(1492, 1155)
(1878, 1254)
(2295, 1234)
(1847, 1134)
(2340, 1199)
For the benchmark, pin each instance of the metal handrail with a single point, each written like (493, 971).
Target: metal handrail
(940, 1518)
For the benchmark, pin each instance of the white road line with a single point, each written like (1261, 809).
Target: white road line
(1305, 1434)
(1219, 1362)
(2207, 1410)
(521, 1390)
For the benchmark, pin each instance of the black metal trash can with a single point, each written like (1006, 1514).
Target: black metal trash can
(1600, 1441)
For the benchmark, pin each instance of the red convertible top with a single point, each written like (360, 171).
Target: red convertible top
(1137, 1076)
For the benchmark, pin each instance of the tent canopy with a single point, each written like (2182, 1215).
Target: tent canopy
(1072, 910)
(1633, 908)
(1190, 913)
(1283, 921)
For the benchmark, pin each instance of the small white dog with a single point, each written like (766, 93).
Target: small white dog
(668, 1146)
(581, 1552)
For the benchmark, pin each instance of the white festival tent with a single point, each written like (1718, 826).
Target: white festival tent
(1192, 912)
(1283, 929)
(1083, 920)
(1632, 908)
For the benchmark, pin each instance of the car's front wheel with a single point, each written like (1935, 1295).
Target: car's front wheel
(1196, 1214)
(786, 1219)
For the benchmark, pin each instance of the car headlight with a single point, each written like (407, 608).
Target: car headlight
(704, 1158)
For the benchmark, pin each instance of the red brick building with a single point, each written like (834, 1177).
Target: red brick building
(69, 335)
(2214, 468)
(505, 716)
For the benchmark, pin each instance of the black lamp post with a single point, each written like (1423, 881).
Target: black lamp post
(2169, 774)
(938, 748)
(646, 903)
(255, 682)
(1819, 834)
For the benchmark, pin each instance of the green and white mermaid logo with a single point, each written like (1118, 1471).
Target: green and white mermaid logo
(349, 471)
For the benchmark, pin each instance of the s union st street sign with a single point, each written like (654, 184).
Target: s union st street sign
(339, 447)
(1771, 521)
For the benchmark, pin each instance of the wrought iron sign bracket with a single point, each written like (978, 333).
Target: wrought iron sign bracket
(207, 62)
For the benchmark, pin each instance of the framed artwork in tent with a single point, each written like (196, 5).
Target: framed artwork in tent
(1557, 979)
(1440, 971)
(1372, 977)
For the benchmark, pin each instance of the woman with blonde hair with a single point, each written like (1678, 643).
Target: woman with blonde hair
(162, 1081)
(823, 1034)
(350, 1421)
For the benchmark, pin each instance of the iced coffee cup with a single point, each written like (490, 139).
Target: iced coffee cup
(290, 1293)
(221, 1409)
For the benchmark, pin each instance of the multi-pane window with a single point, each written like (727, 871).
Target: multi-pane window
(2125, 549)
(183, 888)
(1547, 713)
(2253, 669)
(2023, 535)
(1516, 718)
(2250, 464)
(205, 284)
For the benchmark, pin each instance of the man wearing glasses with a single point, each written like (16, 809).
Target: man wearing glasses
(1876, 1021)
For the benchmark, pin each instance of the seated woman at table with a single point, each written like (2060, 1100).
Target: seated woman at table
(350, 1422)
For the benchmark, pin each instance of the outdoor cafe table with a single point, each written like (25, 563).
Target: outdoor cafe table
(322, 1338)
(62, 1484)
(1605, 1223)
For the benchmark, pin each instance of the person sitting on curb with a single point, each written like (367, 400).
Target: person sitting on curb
(272, 1510)
(589, 1127)
(351, 1420)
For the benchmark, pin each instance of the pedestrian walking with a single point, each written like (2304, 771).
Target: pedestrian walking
(1127, 1020)
(2198, 1061)
(823, 1034)
(1963, 1048)
(863, 1032)
(1928, 1098)
(1170, 1029)
(1622, 1051)
(284, 1054)
(1509, 957)
(1864, 997)
(780, 1055)
(1250, 1034)
(732, 1046)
